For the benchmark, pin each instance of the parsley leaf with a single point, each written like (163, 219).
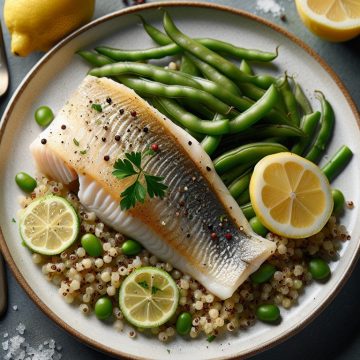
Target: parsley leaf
(154, 290)
(136, 192)
(143, 284)
(154, 185)
(96, 107)
(76, 142)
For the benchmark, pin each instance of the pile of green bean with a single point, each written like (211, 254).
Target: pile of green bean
(238, 116)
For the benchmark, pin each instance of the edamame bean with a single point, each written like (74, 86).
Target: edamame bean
(263, 274)
(339, 201)
(184, 323)
(268, 312)
(258, 227)
(44, 115)
(131, 247)
(25, 182)
(319, 269)
(92, 245)
(103, 308)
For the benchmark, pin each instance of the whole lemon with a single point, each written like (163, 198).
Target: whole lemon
(40, 24)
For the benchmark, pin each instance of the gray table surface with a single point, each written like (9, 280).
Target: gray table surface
(335, 334)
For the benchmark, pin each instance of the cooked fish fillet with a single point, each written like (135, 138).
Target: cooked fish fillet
(84, 143)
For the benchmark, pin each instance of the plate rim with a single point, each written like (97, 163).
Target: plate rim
(123, 12)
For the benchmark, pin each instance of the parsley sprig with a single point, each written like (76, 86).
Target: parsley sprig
(144, 182)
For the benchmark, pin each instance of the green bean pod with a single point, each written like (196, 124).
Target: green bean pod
(289, 99)
(229, 176)
(188, 67)
(308, 125)
(248, 210)
(192, 122)
(302, 100)
(326, 129)
(152, 72)
(245, 154)
(244, 197)
(246, 68)
(158, 36)
(211, 143)
(240, 184)
(256, 112)
(210, 57)
(152, 88)
(212, 74)
(94, 58)
(337, 163)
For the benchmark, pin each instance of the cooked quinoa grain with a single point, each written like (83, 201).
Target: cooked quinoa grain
(82, 279)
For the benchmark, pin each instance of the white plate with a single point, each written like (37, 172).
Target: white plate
(52, 81)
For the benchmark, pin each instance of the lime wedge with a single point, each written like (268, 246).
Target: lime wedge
(148, 297)
(49, 225)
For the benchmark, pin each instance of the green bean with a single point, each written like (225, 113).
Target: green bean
(152, 72)
(103, 308)
(197, 109)
(151, 88)
(212, 58)
(188, 67)
(289, 99)
(302, 100)
(337, 163)
(158, 36)
(266, 271)
(326, 129)
(319, 269)
(91, 244)
(268, 312)
(339, 201)
(131, 247)
(94, 58)
(211, 143)
(308, 125)
(25, 182)
(244, 154)
(216, 45)
(248, 211)
(192, 122)
(244, 197)
(240, 184)
(184, 323)
(264, 131)
(255, 112)
(212, 74)
(229, 176)
(246, 68)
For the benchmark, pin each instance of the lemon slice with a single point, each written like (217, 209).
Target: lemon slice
(333, 20)
(290, 195)
(148, 297)
(49, 225)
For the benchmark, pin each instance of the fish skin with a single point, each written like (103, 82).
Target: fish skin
(177, 228)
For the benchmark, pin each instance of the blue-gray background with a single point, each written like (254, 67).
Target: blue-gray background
(335, 334)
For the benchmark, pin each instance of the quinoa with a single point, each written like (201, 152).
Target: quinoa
(82, 280)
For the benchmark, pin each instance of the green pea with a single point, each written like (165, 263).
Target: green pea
(131, 247)
(103, 308)
(258, 227)
(319, 269)
(339, 201)
(263, 274)
(25, 182)
(184, 323)
(44, 115)
(91, 244)
(268, 312)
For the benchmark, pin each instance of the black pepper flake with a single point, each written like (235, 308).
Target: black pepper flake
(103, 139)
(121, 111)
(146, 129)
(108, 100)
(133, 113)
(187, 235)
(208, 168)
(63, 127)
(283, 17)
(43, 141)
(106, 157)
(117, 137)
(190, 143)
(106, 128)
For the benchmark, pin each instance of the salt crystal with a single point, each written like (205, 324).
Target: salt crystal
(269, 6)
(15, 307)
(21, 328)
(6, 335)
(59, 348)
(5, 345)
(52, 344)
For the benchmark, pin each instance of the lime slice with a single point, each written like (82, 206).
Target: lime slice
(148, 297)
(49, 225)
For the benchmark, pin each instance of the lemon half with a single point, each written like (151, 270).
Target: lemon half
(333, 20)
(290, 195)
